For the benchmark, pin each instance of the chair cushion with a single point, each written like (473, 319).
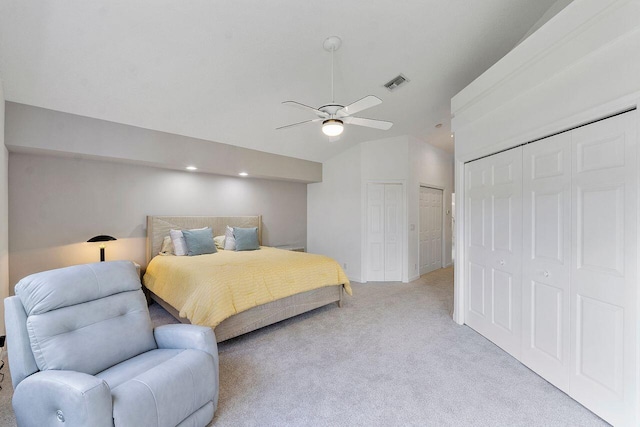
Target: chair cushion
(64, 287)
(93, 336)
(165, 394)
(123, 372)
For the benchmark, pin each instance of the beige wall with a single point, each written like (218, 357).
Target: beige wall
(337, 205)
(57, 203)
(32, 129)
(4, 215)
(333, 213)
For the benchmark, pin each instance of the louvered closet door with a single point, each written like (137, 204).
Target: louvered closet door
(604, 268)
(494, 248)
(546, 266)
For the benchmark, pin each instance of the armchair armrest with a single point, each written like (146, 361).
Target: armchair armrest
(187, 336)
(66, 398)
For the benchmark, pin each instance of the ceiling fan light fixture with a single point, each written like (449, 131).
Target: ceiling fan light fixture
(332, 127)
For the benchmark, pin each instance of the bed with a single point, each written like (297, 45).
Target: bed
(181, 284)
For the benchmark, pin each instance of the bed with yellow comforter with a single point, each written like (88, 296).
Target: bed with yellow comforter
(207, 289)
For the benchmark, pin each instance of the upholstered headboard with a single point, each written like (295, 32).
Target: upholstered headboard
(158, 227)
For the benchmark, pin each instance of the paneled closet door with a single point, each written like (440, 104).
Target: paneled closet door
(546, 267)
(604, 284)
(494, 248)
(385, 213)
(375, 232)
(430, 229)
(392, 233)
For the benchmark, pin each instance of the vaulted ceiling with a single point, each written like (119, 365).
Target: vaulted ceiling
(219, 70)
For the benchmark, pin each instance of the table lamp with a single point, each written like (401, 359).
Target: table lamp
(101, 238)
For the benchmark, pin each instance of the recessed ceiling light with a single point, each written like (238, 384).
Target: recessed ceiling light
(451, 135)
(439, 125)
(243, 174)
(191, 168)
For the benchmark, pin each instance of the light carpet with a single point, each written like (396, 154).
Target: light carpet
(391, 356)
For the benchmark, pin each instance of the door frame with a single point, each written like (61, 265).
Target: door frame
(442, 225)
(364, 259)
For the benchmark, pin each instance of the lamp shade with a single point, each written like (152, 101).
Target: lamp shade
(332, 127)
(101, 238)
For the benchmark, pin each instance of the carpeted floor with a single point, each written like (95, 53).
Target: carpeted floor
(391, 356)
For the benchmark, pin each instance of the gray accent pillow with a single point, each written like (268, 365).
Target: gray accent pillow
(199, 242)
(246, 238)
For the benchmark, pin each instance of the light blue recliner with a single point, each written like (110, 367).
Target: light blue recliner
(83, 353)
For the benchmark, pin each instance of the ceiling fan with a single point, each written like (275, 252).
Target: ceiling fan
(333, 116)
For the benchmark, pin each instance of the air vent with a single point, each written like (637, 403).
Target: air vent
(396, 82)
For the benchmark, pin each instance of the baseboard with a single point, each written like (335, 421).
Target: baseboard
(354, 279)
(416, 277)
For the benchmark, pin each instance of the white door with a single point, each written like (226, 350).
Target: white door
(393, 232)
(430, 229)
(494, 248)
(604, 328)
(546, 258)
(384, 232)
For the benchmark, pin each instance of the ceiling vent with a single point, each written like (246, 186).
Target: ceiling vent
(396, 82)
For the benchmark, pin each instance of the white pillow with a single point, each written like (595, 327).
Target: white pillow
(179, 244)
(229, 240)
(167, 247)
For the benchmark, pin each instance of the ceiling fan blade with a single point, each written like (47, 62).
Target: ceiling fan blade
(370, 123)
(359, 105)
(307, 108)
(299, 123)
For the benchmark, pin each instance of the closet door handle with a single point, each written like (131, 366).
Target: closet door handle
(501, 262)
(545, 273)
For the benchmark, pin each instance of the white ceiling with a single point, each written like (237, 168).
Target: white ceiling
(219, 70)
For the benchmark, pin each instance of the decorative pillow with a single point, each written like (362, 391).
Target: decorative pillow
(219, 241)
(179, 245)
(199, 242)
(246, 238)
(167, 247)
(229, 240)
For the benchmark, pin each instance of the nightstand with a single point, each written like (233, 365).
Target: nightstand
(295, 248)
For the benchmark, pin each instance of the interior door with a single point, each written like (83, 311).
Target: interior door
(385, 211)
(375, 232)
(393, 232)
(547, 258)
(494, 247)
(604, 284)
(430, 229)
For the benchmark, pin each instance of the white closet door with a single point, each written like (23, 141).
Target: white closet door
(392, 232)
(494, 248)
(375, 232)
(430, 229)
(547, 258)
(384, 232)
(604, 328)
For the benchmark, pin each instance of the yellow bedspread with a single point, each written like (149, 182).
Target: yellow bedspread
(206, 289)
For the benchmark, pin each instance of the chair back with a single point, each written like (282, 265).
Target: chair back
(83, 318)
